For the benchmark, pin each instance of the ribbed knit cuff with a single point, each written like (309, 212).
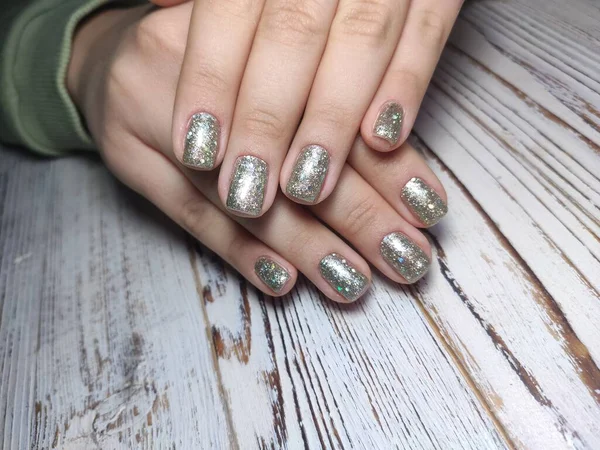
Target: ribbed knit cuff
(37, 111)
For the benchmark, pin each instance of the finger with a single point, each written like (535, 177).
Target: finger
(287, 48)
(375, 229)
(157, 179)
(325, 259)
(218, 44)
(362, 39)
(394, 108)
(404, 180)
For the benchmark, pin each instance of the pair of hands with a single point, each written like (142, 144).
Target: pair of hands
(123, 77)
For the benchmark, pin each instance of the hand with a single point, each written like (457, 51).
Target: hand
(121, 84)
(256, 69)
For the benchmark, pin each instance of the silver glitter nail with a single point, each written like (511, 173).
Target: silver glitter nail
(271, 273)
(424, 202)
(247, 188)
(202, 141)
(308, 174)
(389, 122)
(342, 277)
(404, 256)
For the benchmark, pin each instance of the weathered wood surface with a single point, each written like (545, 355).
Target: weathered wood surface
(117, 330)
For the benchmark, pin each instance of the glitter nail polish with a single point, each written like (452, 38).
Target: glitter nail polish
(271, 273)
(308, 174)
(342, 277)
(202, 141)
(404, 256)
(424, 202)
(247, 188)
(389, 122)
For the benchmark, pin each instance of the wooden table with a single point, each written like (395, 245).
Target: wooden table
(117, 330)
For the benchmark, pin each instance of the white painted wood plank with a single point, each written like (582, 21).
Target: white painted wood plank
(102, 335)
(472, 42)
(303, 372)
(533, 369)
(525, 324)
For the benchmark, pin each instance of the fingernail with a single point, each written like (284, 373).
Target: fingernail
(342, 277)
(202, 141)
(309, 173)
(404, 256)
(247, 188)
(424, 202)
(389, 122)
(271, 273)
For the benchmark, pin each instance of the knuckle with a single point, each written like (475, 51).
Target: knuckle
(432, 28)
(195, 216)
(332, 116)
(360, 217)
(206, 75)
(370, 20)
(293, 22)
(242, 9)
(299, 247)
(235, 249)
(264, 124)
(406, 79)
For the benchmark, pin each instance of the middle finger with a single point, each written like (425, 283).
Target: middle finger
(285, 54)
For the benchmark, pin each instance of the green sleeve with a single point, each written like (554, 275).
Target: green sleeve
(35, 44)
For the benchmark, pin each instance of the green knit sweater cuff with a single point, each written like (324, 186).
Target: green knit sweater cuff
(37, 111)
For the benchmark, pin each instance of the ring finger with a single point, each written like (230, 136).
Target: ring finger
(218, 43)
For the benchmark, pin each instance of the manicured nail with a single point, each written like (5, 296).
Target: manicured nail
(389, 122)
(202, 141)
(271, 273)
(342, 277)
(404, 256)
(247, 188)
(424, 202)
(308, 174)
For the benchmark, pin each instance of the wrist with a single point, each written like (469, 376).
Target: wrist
(84, 52)
(95, 43)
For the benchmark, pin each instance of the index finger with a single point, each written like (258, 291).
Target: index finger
(218, 45)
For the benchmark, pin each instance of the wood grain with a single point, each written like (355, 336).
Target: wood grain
(119, 331)
(103, 340)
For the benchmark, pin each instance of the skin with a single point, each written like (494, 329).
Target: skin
(283, 74)
(123, 76)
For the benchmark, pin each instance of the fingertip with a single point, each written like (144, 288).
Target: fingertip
(348, 277)
(406, 255)
(197, 141)
(426, 200)
(304, 177)
(374, 143)
(245, 189)
(275, 276)
(301, 201)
